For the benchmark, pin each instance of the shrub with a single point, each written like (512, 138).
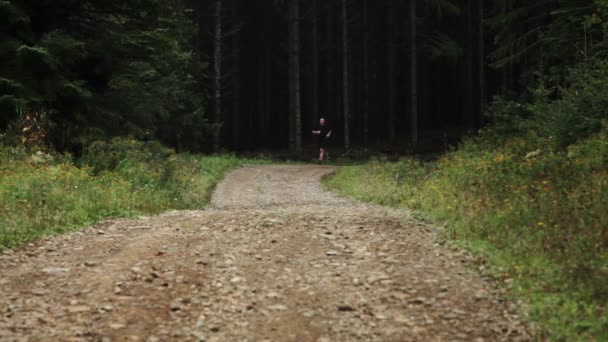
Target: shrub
(42, 194)
(577, 112)
(540, 214)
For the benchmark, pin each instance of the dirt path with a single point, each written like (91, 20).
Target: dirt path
(275, 258)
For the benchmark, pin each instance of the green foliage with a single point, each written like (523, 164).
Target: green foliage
(102, 68)
(581, 107)
(442, 45)
(576, 112)
(532, 190)
(540, 215)
(42, 194)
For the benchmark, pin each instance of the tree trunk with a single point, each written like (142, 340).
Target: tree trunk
(295, 140)
(482, 64)
(365, 72)
(331, 73)
(217, 74)
(413, 75)
(261, 123)
(345, 75)
(506, 69)
(391, 73)
(315, 63)
(469, 110)
(236, 77)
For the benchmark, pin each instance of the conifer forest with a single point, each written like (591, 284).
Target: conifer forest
(457, 188)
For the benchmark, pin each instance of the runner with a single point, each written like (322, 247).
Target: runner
(324, 133)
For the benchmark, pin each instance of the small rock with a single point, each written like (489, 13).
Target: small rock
(55, 270)
(459, 312)
(380, 316)
(278, 307)
(308, 314)
(419, 300)
(175, 306)
(78, 309)
(400, 295)
(345, 308)
(332, 253)
(377, 278)
(39, 292)
(91, 263)
(199, 336)
(402, 319)
(117, 326)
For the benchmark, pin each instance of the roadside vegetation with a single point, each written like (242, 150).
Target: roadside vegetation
(529, 194)
(48, 193)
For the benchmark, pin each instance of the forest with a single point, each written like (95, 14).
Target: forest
(245, 75)
(487, 119)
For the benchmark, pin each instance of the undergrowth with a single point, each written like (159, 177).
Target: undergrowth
(43, 194)
(530, 193)
(540, 216)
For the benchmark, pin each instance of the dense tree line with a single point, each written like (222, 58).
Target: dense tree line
(211, 74)
(90, 69)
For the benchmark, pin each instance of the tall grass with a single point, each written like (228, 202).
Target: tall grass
(539, 214)
(43, 194)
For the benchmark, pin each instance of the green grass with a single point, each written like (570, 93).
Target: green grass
(43, 194)
(541, 219)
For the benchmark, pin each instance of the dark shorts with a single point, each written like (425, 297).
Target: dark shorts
(322, 143)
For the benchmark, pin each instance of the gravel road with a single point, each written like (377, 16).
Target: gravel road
(274, 258)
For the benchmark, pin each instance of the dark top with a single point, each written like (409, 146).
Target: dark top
(322, 139)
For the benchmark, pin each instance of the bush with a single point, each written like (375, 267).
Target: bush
(541, 215)
(578, 111)
(581, 108)
(43, 194)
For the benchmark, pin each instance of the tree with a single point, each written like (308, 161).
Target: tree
(391, 73)
(217, 73)
(236, 73)
(481, 55)
(413, 75)
(366, 76)
(345, 75)
(315, 62)
(295, 108)
(103, 68)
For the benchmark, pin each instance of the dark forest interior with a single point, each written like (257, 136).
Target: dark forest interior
(246, 75)
(487, 119)
(375, 67)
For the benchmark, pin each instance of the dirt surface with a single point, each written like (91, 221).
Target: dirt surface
(275, 258)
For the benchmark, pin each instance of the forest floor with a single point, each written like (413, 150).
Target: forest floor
(275, 258)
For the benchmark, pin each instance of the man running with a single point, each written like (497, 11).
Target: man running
(324, 133)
